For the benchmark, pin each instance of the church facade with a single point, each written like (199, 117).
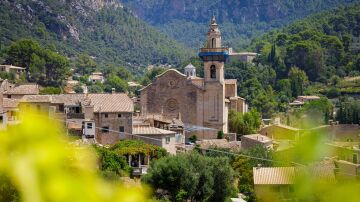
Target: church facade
(201, 103)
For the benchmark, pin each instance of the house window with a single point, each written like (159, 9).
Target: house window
(121, 129)
(61, 108)
(213, 43)
(105, 129)
(167, 140)
(9, 96)
(89, 126)
(106, 115)
(77, 110)
(213, 72)
(119, 115)
(1, 119)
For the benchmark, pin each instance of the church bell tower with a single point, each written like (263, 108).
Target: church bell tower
(214, 57)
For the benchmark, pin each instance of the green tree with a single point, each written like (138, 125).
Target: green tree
(44, 66)
(244, 124)
(192, 176)
(78, 88)
(84, 64)
(220, 134)
(96, 88)
(109, 161)
(21, 52)
(116, 82)
(349, 111)
(319, 111)
(193, 138)
(299, 80)
(50, 90)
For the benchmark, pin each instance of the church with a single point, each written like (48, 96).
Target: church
(200, 102)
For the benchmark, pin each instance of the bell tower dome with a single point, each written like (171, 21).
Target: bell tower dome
(190, 70)
(214, 35)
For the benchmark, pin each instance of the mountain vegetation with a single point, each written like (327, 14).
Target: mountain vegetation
(102, 29)
(310, 56)
(240, 20)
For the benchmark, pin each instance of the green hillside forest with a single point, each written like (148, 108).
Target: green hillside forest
(102, 29)
(241, 20)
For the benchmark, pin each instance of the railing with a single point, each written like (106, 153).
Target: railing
(75, 115)
(223, 49)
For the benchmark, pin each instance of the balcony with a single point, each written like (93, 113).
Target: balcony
(214, 54)
(216, 50)
(75, 116)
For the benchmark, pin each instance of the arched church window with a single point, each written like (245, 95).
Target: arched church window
(213, 72)
(213, 42)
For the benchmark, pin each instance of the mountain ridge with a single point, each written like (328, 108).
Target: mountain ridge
(103, 29)
(240, 20)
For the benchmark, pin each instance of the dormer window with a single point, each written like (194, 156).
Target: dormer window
(213, 72)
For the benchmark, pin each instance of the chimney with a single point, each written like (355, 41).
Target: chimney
(112, 90)
(89, 112)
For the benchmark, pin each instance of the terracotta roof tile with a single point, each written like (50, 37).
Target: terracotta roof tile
(102, 102)
(274, 175)
(28, 89)
(36, 98)
(148, 130)
(118, 102)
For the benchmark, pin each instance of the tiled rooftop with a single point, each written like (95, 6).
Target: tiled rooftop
(118, 102)
(148, 130)
(28, 89)
(274, 175)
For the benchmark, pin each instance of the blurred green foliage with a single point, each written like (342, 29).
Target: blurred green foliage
(37, 159)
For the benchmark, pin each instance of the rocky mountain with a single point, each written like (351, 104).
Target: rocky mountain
(241, 20)
(103, 29)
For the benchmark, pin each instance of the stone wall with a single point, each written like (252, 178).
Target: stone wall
(114, 122)
(171, 94)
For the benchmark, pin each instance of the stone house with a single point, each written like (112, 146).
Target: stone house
(246, 57)
(281, 132)
(17, 71)
(20, 91)
(155, 136)
(96, 77)
(113, 114)
(347, 158)
(277, 183)
(106, 115)
(254, 140)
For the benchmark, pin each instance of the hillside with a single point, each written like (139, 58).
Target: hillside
(308, 57)
(322, 45)
(241, 20)
(100, 28)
